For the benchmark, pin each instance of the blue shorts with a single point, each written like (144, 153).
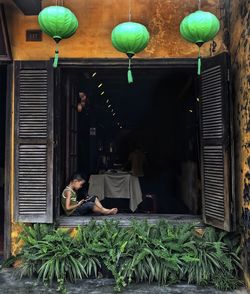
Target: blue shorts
(86, 207)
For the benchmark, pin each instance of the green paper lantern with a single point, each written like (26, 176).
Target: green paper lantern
(59, 23)
(199, 27)
(130, 38)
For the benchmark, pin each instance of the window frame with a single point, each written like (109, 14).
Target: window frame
(103, 63)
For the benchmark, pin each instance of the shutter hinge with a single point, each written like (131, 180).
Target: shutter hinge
(55, 143)
(228, 75)
(232, 208)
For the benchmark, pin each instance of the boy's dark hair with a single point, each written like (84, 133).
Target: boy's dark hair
(77, 177)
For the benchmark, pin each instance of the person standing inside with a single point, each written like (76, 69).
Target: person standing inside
(137, 161)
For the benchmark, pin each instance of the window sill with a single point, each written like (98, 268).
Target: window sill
(125, 219)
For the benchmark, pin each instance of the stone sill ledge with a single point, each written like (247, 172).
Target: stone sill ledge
(125, 219)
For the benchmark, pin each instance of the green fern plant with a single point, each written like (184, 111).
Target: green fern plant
(54, 257)
(209, 256)
(142, 252)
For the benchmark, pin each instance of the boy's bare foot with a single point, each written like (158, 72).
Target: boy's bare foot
(111, 211)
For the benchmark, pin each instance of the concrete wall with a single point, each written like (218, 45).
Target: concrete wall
(239, 30)
(97, 18)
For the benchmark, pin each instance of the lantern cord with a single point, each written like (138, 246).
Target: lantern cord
(199, 4)
(56, 56)
(129, 11)
(199, 63)
(130, 77)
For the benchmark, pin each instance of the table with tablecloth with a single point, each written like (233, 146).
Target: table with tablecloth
(116, 185)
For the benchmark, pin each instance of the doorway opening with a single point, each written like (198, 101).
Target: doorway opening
(158, 113)
(3, 73)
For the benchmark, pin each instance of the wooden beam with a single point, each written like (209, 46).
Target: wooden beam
(5, 49)
(29, 7)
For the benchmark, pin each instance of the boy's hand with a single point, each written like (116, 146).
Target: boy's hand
(81, 202)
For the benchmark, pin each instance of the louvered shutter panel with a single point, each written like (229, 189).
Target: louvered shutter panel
(33, 141)
(216, 149)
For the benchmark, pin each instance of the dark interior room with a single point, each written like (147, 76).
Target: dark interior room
(157, 113)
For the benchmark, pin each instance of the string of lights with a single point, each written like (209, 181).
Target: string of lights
(100, 86)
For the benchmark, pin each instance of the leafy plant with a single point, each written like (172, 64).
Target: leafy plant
(30, 235)
(210, 256)
(51, 256)
(162, 253)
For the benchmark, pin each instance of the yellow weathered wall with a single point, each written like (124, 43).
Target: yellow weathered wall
(240, 59)
(97, 18)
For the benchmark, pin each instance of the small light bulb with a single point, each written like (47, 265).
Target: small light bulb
(102, 93)
(198, 99)
(99, 85)
(109, 105)
(93, 74)
(190, 110)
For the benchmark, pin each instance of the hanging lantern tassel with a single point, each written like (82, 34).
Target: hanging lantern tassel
(199, 44)
(130, 77)
(56, 56)
(199, 63)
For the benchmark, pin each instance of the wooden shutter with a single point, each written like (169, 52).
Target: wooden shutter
(33, 141)
(216, 144)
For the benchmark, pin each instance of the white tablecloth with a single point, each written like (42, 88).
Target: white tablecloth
(116, 186)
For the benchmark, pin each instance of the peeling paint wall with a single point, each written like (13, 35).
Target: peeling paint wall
(97, 18)
(239, 31)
